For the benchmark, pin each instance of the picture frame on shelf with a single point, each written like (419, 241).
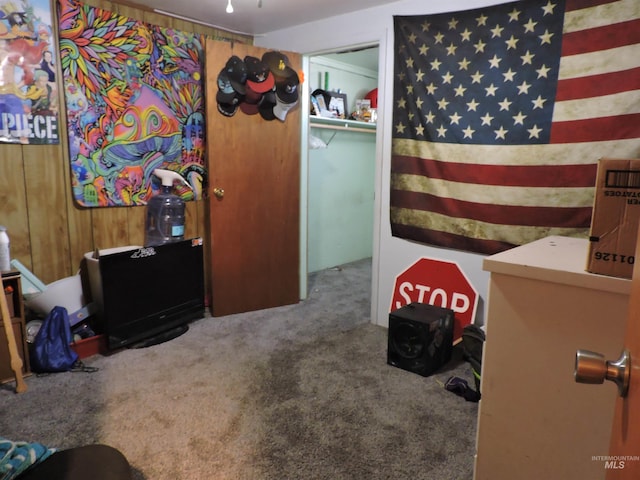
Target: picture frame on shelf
(338, 105)
(363, 111)
(315, 106)
(319, 104)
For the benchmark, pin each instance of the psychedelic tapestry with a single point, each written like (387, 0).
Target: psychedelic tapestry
(134, 95)
(28, 91)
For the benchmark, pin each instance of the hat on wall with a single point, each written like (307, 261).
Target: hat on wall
(227, 110)
(228, 98)
(281, 109)
(251, 96)
(266, 106)
(249, 108)
(278, 64)
(236, 72)
(259, 77)
(226, 92)
(287, 88)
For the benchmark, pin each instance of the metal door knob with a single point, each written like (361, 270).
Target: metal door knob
(593, 368)
(218, 192)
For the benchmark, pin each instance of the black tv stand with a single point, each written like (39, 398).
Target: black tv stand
(161, 337)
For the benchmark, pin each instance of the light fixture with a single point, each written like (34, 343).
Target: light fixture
(229, 7)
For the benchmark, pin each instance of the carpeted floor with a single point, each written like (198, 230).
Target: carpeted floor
(299, 392)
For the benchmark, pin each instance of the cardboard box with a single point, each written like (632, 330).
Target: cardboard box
(616, 213)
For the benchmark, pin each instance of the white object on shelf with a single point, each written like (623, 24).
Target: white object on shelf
(5, 256)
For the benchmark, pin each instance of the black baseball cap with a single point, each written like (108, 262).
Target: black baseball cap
(236, 72)
(228, 98)
(227, 110)
(287, 88)
(266, 106)
(278, 64)
(259, 77)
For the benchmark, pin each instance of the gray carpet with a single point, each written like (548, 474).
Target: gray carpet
(300, 392)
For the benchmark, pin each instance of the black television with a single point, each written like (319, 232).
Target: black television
(151, 294)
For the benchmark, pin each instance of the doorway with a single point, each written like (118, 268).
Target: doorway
(341, 162)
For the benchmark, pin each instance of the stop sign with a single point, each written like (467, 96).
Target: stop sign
(439, 283)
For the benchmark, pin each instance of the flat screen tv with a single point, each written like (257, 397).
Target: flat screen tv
(151, 294)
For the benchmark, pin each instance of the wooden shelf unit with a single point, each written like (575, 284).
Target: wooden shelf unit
(12, 279)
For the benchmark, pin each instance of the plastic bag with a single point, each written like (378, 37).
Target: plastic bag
(51, 351)
(316, 143)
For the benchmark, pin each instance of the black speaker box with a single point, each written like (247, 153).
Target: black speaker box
(420, 338)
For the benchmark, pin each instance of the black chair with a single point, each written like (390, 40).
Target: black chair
(91, 462)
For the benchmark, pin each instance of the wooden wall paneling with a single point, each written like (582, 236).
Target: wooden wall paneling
(104, 4)
(110, 227)
(161, 20)
(49, 232)
(136, 217)
(127, 11)
(203, 231)
(14, 213)
(80, 231)
(46, 199)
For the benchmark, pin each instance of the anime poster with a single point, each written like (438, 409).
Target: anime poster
(135, 102)
(28, 92)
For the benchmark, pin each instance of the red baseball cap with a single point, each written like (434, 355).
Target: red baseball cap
(259, 77)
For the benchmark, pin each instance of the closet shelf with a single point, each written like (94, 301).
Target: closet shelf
(342, 124)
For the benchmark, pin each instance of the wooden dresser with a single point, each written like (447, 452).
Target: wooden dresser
(534, 421)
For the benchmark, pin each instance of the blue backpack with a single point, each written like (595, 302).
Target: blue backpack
(51, 351)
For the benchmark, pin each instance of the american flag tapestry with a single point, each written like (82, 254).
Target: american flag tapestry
(500, 115)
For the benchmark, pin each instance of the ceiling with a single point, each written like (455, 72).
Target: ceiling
(365, 58)
(256, 17)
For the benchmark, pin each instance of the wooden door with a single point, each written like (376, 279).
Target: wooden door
(625, 432)
(254, 227)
